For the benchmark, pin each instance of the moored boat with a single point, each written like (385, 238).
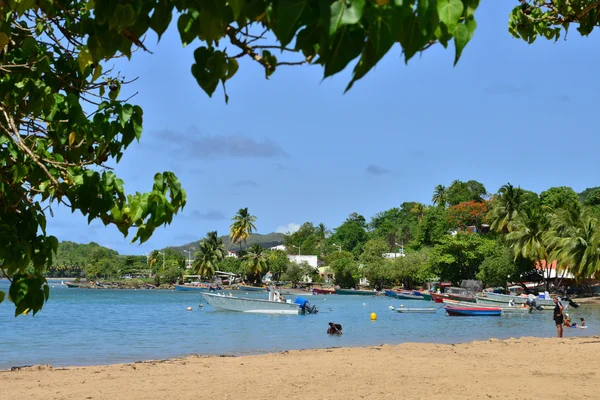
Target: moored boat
(260, 306)
(356, 292)
(420, 310)
(461, 297)
(496, 303)
(427, 296)
(323, 291)
(409, 296)
(507, 310)
(252, 288)
(197, 288)
(473, 311)
(506, 298)
(439, 297)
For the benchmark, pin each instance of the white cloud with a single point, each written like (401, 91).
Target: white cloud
(289, 228)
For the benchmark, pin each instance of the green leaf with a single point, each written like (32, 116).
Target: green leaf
(345, 12)
(125, 114)
(450, 12)
(161, 17)
(84, 59)
(289, 15)
(4, 40)
(346, 45)
(210, 67)
(2, 296)
(97, 72)
(380, 40)
(237, 6)
(409, 34)
(185, 25)
(159, 182)
(461, 37)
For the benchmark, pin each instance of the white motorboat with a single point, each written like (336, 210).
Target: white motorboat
(506, 298)
(272, 306)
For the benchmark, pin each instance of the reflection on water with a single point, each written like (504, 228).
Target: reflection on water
(83, 327)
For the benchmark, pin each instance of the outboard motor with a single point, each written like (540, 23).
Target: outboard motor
(572, 303)
(532, 304)
(305, 306)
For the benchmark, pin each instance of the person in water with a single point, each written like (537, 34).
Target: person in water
(567, 321)
(582, 322)
(558, 317)
(334, 329)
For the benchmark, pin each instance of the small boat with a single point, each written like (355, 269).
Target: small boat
(356, 292)
(408, 296)
(260, 306)
(439, 297)
(424, 310)
(323, 291)
(72, 285)
(390, 292)
(252, 288)
(197, 288)
(505, 309)
(505, 298)
(461, 297)
(427, 296)
(473, 311)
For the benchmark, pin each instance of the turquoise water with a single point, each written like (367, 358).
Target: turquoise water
(86, 327)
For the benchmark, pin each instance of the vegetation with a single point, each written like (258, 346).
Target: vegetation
(242, 227)
(63, 116)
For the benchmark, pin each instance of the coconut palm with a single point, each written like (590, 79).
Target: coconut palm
(206, 259)
(507, 205)
(255, 261)
(575, 236)
(419, 210)
(528, 235)
(440, 196)
(216, 243)
(242, 227)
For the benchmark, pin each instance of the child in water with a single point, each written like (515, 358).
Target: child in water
(334, 329)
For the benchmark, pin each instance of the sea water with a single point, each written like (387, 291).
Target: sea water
(88, 327)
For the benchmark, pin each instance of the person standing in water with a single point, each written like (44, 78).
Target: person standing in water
(558, 317)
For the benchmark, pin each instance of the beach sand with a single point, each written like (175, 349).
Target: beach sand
(525, 368)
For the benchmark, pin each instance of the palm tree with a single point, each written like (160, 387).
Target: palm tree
(242, 227)
(206, 259)
(255, 261)
(440, 196)
(575, 236)
(528, 236)
(322, 233)
(419, 209)
(507, 205)
(216, 243)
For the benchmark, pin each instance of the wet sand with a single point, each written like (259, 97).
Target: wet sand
(525, 368)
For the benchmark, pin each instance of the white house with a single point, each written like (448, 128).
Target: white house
(278, 247)
(393, 255)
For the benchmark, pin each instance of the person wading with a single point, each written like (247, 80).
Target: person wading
(558, 317)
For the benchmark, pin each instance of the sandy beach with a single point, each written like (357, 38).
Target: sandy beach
(525, 368)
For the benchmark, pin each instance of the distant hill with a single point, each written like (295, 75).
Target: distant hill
(266, 241)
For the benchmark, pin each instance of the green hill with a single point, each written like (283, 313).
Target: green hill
(266, 241)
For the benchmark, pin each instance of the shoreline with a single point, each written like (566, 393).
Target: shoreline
(498, 369)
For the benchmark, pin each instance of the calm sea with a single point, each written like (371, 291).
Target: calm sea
(87, 327)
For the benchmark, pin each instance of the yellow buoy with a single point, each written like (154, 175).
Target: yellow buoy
(373, 316)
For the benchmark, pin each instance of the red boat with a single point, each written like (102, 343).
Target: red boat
(439, 297)
(323, 291)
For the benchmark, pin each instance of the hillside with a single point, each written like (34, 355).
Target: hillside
(266, 241)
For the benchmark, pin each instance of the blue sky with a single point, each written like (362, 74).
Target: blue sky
(295, 148)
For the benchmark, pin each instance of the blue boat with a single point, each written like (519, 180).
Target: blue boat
(473, 311)
(390, 293)
(409, 296)
(197, 288)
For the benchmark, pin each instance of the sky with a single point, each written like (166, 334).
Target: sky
(295, 148)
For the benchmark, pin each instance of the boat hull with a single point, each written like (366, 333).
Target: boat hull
(408, 296)
(323, 291)
(256, 306)
(190, 288)
(251, 288)
(473, 312)
(458, 297)
(356, 292)
(505, 298)
(427, 296)
(417, 310)
(506, 310)
(439, 297)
